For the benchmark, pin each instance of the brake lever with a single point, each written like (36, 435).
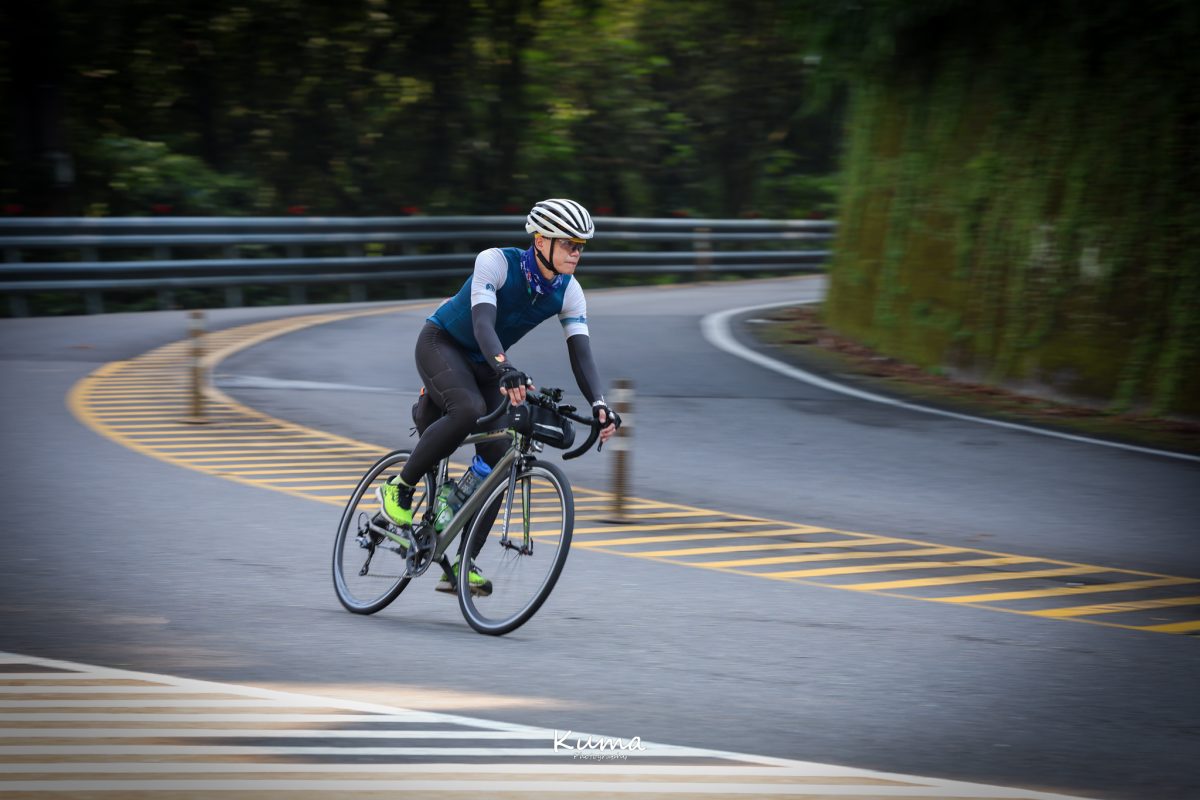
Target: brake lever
(616, 423)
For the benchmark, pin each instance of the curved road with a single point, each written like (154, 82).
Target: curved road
(118, 559)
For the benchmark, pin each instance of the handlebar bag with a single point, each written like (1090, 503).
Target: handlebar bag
(543, 425)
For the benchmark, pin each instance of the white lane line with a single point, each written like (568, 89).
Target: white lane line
(372, 711)
(651, 751)
(282, 717)
(257, 733)
(717, 331)
(570, 788)
(44, 689)
(799, 769)
(314, 702)
(49, 676)
(738, 774)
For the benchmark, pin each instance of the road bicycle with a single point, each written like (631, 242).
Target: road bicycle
(374, 559)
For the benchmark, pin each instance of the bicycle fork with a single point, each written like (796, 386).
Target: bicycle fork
(525, 548)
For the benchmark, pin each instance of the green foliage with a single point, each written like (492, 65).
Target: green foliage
(462, 106)
(144, 175)
(1022, 195)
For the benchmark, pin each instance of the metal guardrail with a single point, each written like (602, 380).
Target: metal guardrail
(94, 255)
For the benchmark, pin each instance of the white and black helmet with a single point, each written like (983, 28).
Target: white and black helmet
(560, 219)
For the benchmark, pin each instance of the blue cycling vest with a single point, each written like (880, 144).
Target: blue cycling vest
(518, 309)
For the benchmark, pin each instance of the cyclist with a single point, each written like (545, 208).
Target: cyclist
(462, 354)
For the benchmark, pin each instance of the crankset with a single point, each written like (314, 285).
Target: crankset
(419, 556)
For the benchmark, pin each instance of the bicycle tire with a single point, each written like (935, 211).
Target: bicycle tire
(520, 583)
(358, 596)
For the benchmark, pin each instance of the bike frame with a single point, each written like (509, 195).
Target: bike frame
(504, 471)
(367, 528)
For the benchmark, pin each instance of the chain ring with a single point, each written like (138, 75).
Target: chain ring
(420, 551)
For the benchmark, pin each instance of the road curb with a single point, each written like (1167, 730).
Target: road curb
(718, 331)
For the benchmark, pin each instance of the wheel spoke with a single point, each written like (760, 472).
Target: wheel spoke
(521, 576)
(367, 581)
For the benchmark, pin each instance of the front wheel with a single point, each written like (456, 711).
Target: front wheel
(521, 555)
(369, 569)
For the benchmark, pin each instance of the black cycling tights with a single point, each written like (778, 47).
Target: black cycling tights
(465, 390)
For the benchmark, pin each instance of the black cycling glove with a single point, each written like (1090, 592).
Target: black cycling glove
(511, 377)
(610, 417)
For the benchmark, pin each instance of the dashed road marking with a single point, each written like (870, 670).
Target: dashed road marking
(143, 403)
(279, 744)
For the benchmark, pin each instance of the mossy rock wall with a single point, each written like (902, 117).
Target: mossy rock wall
(1024, 205)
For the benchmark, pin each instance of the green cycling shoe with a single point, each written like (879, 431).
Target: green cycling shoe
(395, 498)
(480, 586)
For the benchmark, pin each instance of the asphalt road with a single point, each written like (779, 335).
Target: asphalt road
(114, 558)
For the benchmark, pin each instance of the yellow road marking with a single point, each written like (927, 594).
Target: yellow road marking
(1117, 608)
(898, 567)
(145, 416)
(655, 515)
(324, 451)
(349, 480)
(672, 526)
(985, 577)
(606, 499)
(743, 548)
(329, 467)
(1174, 627)
(220, 439)
(282, 441)
(864, 541)
(140, 402)
(1060, 591)
(103, 406)
(174, 425)
(265, 459)
(922, 551)
(103, 394)
(342, 490)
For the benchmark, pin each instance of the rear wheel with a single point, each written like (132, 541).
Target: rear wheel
(523, 558)
(368, 555)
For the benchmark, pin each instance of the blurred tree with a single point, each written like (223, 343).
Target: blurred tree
(37, 161)
(670, 106)
(374, 106)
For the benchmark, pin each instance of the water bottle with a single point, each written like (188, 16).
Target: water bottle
(453, 494)
(441, 504)
(472, 478)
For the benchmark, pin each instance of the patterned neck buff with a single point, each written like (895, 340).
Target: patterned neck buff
(533, 275)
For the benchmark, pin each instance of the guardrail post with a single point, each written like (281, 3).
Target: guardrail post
(703, 249)
(234, 298)
(18, 304)
(297, 292)
(358, 293)
(166, 297)
(196, 334)
(620, 444)
(93, 299)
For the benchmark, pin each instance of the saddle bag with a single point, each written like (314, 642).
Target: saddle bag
(425, 412)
